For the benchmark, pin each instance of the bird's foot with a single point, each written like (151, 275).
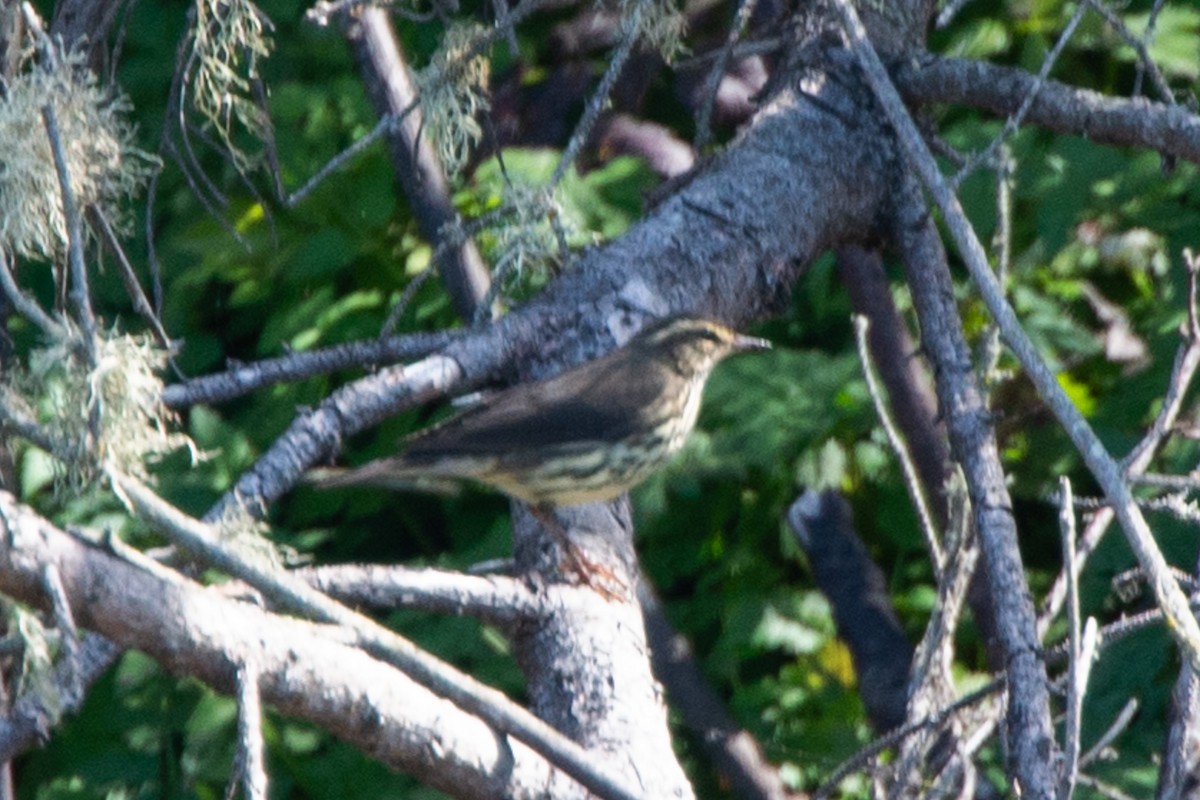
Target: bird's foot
(598, 577)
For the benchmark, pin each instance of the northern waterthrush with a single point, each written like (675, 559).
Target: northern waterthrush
(585, 435)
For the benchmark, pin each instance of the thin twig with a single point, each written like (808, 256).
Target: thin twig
(948, 13)
(1014, 122)
(132, 287)
(1002, 245)
(757, 47)
(1147, 38)
(241, 379)
(1175, 504)
(406, 297)
(912, 481)
(270, 144)
(155, 265)
(630, 31)
(516, 15)
(1104, 638)
(1187, 362)
(1145, 64)
(381, 128)
(931, 682)
(1187, 483)
(64, 620)
(1116, 729)
(250, 734)
(713, 83)
(226, 153)
(1066, 529)
(1105, 790)
(21, 421)
(1126, 583)
(192, 160)
(80, 292)
(189, 166)
(863, 757)
(25, 305)
(504, 24)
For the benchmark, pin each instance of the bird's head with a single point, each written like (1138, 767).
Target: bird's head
(692, 344)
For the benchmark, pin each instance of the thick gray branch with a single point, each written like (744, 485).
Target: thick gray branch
(1132, 122)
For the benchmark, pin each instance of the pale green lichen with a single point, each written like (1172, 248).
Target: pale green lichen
(453, 90)
(109, 417)
(247, 537)
(527, 242)
(662, 26)
(229, 38)
(36, 675)
(105, 166)
(137, 428)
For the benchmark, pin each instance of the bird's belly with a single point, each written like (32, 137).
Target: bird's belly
(594, 475)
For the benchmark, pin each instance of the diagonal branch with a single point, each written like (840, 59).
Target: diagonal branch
(392, 91)
(972, 437)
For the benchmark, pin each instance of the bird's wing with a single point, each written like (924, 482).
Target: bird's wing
(599, 402)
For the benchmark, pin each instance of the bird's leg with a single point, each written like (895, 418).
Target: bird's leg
(595, 576)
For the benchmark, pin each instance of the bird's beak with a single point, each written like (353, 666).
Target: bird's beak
(741, 343)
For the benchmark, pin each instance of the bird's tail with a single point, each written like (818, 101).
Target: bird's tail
(382, 474)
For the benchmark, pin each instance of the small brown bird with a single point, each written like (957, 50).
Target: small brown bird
(585, 435)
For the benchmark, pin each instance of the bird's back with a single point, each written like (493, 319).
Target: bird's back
(601, 404)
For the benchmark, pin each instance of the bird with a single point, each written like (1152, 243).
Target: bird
(588, 434)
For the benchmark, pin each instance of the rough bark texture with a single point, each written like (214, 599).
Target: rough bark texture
(1179, 776)
(1030, 738)
(306, 671)
(1125, 122)
(806, 175)
(585, 654)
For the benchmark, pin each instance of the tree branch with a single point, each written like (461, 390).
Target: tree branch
(303, 671)
(389, 85)
(1136, 122)
(382, 643)
(492, 598)
(242, 379)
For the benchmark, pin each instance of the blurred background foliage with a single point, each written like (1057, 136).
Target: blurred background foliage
(1090, 224)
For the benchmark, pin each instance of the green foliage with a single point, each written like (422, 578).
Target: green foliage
(1088, 222)
(1175, 47)
(1093, 224)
